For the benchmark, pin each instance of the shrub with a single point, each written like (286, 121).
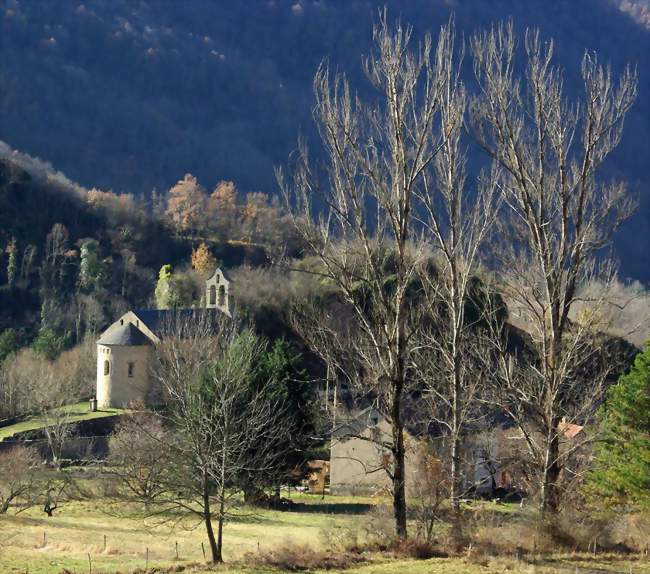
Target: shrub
(418, 549)
(304, 558)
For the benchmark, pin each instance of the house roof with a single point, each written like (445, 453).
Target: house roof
(357, 422)
(569, 430)
(125, 336)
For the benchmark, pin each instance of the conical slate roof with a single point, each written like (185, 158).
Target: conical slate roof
(125, 336)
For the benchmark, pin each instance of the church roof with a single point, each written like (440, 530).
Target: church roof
(125, 336)
(160, 320)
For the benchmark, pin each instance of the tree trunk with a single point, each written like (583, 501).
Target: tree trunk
(399, 482)
(455, 474)
(207, 517)
(549, 502)
(220, 527)
(455, 437)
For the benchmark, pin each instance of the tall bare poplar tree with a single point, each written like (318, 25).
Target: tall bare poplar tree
(560, 219)
(457, 219)
(361, 223)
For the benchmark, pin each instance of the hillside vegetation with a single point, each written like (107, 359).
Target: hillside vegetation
(130, 96)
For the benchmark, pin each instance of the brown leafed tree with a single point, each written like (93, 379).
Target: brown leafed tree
(258, 215)
(559, 220)
(186, 203)
(362, 223)
(224, 210)
(203, 262)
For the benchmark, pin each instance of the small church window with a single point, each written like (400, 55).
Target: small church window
(222, 296)
(131, 369)
(107, 368)
(213, 295)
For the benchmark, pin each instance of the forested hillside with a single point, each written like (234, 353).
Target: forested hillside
(130, 96)
(72, 259)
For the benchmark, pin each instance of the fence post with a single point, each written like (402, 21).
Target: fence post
(90, 564)
(203, 548)
(177, 550)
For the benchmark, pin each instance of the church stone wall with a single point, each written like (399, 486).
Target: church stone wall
(121, 387)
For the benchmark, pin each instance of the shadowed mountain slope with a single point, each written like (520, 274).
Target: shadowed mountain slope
(130, 95)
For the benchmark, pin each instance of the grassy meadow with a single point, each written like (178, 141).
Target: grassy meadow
(99, 537)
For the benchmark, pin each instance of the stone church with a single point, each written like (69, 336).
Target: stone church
(125, 349)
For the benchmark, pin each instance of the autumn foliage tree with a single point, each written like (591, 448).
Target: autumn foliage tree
(203, 262)
(186, 203)
(223, 209)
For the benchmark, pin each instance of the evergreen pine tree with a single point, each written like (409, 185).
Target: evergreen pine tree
(621, 474)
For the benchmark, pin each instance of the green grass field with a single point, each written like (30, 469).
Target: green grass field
(78, 412)
(73, 541)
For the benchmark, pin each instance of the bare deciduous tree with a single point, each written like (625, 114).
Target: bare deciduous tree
(453, 365)
(361, 224)
(225, 431)
(53, 492)
(18, 466)
(560, 217)
(55, 413)
(138, 457)
(458, 219)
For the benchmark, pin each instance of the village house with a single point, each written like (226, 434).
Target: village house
(125, 349)
(360, 456)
